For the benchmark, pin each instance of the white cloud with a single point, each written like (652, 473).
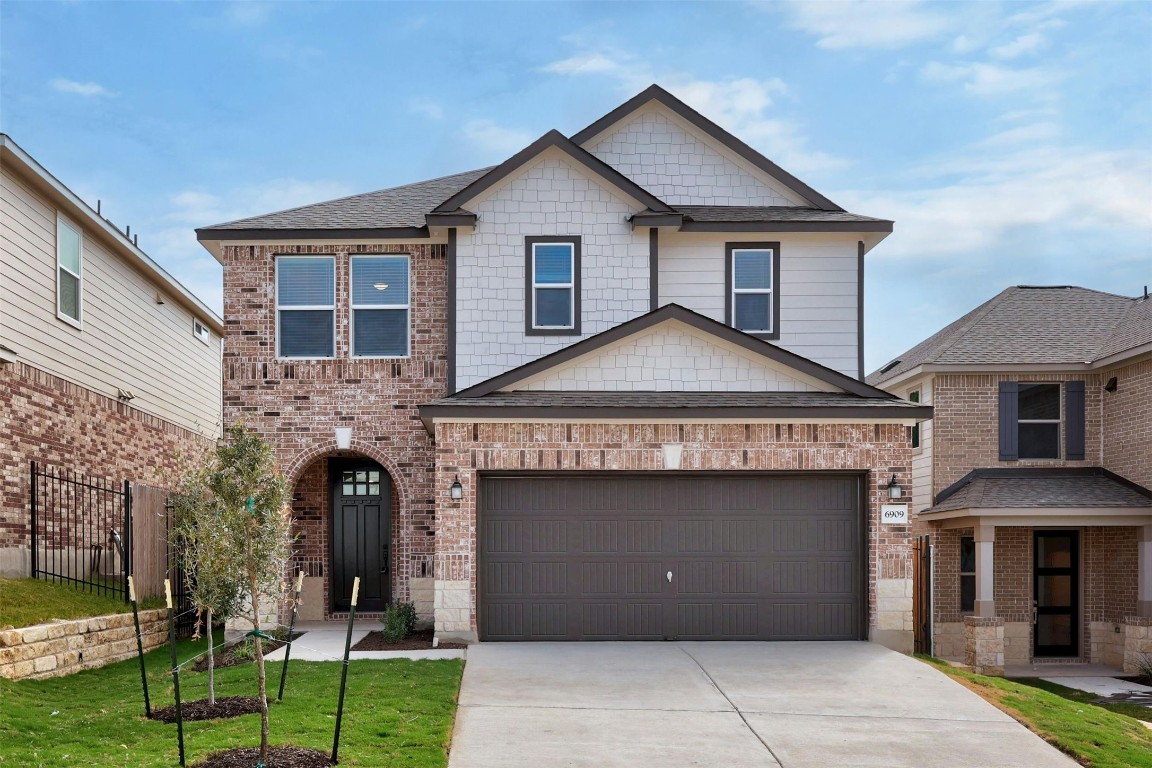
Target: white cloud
(495, 139)
(583, 64)
(1024, 44)
(247, 13)
(866, 24)
(983, 79)
(64, 85)
(427, 107)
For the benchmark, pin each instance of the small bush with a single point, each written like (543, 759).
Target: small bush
(1144, 665)
(399, 620)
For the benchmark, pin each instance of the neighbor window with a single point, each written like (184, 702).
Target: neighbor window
(306, 306)
(380, 306)
(753, 271)
(69, 280)
(914, 397)
(967, 574)
(552, 286)
(200, 331)
(1039, 421)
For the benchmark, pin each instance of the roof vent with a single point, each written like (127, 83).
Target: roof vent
(890, 366)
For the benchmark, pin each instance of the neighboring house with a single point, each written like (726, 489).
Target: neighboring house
(108, 367)
(608, 389)
(1033, 476)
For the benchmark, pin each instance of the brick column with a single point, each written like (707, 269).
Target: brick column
(984, 644)
(985, 538)
(1144, 578)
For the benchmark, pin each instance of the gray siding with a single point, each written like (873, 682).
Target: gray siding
(127, 341)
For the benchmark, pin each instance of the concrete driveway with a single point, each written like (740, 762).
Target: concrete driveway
(743, 705)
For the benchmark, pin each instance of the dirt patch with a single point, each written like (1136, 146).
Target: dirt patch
(278, 757)
(239, 653)
(420, 640)
(225, 706)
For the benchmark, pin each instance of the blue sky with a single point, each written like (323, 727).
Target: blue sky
(1010, 142)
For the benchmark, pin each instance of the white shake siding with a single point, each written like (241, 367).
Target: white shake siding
(127, 342)
(817, 293)
(679, 164)
(551, 196)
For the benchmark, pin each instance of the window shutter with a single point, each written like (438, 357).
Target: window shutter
(1009, 420)
(1074, 420)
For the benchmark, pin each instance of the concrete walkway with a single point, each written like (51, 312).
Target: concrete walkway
(324, 641)
(751, 705)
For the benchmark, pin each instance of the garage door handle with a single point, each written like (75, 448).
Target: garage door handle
(669, 577)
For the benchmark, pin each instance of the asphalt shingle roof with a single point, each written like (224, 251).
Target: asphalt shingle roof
(761, 213)
(1043, 488)
(1033, 324)
(535, 399)
(386, 208)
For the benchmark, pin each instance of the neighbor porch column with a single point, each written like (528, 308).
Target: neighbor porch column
(1144, 574)
(985, 540)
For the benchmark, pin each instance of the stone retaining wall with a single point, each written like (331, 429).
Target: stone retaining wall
(66, 647)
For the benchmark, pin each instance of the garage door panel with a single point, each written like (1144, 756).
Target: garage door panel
(547, 578)
(740, 536)
(644, 621)
(548, 536)
(739, 577)
(599, 578)
(644, 536)
(548, 621)
(834, 535)
(600, 536)
(643, 578)
(694, 536)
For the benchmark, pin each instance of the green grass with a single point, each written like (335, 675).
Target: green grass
(1095, 736)
(24, 602)
(396, 713)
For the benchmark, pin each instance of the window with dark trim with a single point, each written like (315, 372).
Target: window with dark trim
(1041, 420)
(552, 286)
(914, 397)
(967, 574)
(306, 306)
(751, 288)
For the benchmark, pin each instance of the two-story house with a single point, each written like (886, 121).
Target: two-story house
(607, 389)
(1033, 477)
(109, 368)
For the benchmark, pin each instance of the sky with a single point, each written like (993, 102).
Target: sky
(1010, 142)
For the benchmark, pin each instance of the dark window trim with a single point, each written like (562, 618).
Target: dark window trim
(969, 610)
(914, 397)
(530, 294)
(1059, 421)
(653, 269)
(728, 303)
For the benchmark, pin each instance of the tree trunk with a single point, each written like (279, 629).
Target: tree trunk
(252, 587)
(211, 664)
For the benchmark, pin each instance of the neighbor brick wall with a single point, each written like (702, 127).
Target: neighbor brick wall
(965, 424)
(47, 419)
(1127, 422)
(464, 449)
(297, 404)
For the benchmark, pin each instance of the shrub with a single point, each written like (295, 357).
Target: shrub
(1144, 665)
(399, 620)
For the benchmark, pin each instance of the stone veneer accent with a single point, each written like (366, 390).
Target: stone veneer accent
(297, 404)
(65, 647)
(55, 422)
(984, 645)
(465, 449)
(1137, 631)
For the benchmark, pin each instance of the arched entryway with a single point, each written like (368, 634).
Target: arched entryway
(360, 533)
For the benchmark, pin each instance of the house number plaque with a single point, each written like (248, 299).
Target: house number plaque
(894, 514)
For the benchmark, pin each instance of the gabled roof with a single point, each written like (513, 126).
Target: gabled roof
(775, 218)
(688, 317)
(1089, 487)
(553, 139)
(658, 94)
(1026, 324)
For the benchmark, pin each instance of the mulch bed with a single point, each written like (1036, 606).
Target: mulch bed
(278, 757)
(420, 640)
(225, 706)
(228, 657)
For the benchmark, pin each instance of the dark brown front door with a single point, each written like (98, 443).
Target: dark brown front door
(1056, 590)
(361, 531)
(671, 556)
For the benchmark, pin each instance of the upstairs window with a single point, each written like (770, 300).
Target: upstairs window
(753, 272)
(1034, 417)
(1038, 421)
(552, 286)
(69, 278)
(200, 331)
(380, 306)
(914, 397)
(306, 306)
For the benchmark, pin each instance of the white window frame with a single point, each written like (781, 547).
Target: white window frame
(1059, 421)
(354, 306)
(570, 285)
(770, 292)
(304, 308)
(77, 321)
(201, 331)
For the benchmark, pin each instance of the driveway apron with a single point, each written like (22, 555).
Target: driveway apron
(793, 705)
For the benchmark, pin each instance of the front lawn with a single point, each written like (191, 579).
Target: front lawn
(1093, 735)
(396, 713)
(24, 602)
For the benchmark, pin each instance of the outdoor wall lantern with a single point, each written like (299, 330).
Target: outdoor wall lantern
(343, 438)
(457, 490)
(894, 489)
(672, 455)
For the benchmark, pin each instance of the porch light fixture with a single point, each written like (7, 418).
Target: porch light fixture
(343, 438)
(673, 453)
(894, 489)
(1112, 385)
(457, 490)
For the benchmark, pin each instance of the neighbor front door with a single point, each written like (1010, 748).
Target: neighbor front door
(1056, 593)
(361, 532)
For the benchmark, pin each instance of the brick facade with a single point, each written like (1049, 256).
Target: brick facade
(298, 404)
(1127, 422)
(47, 419)
(465, 449)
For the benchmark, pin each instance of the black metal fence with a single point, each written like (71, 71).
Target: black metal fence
(81, 531)
(181, 597)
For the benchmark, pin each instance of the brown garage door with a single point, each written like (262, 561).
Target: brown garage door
(661, 556)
